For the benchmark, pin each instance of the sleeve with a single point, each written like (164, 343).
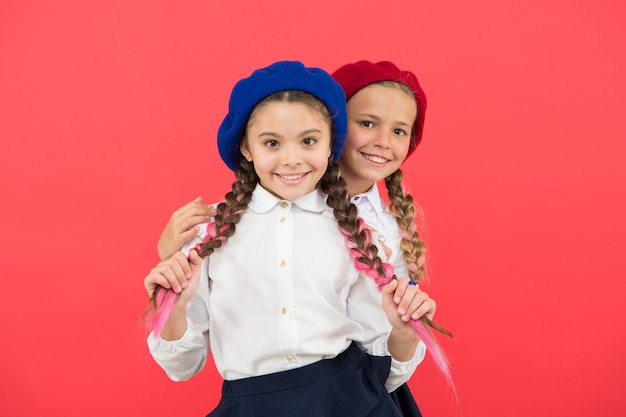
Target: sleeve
(365, 307)
(185, 357)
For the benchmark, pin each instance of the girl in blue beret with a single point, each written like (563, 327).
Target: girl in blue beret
(386, 108)
(290, 304)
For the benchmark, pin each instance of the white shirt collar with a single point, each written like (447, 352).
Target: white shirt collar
(373, 197)
(263, 201)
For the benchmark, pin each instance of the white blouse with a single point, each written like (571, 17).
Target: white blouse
(281, 293)
(378, 217)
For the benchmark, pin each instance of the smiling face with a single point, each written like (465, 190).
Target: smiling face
(289, 145)
(380, 122)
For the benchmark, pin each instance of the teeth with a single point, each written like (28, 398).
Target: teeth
(376, 159)
(292, 177)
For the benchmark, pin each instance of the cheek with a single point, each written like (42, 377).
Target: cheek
(356, 139)
(321, 161)
(262, 165)
(401, 149)
(351, 147)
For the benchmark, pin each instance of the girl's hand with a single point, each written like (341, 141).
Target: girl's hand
(182, 226)
(403, 302)
(176, 273)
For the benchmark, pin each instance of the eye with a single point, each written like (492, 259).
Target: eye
(309, 141)
(271, 143)
(366, 124)
(399, 132)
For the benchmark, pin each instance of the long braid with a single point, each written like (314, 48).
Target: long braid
(358, 238)
(228, 215)
(404, 211)
(229, 212)
(365, 255)
(413, 248)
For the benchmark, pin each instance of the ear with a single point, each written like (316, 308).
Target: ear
(243, 148)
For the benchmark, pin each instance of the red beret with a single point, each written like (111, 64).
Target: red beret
(354, 77)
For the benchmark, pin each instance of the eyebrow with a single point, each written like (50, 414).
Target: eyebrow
(303, 133)
(373, 116)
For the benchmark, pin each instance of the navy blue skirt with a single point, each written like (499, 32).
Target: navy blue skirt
(405, 402)
(350, 385)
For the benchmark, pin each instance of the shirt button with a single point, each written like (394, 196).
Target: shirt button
(282, 220)
(283, 204)
(288, 357)
(283, 310)
(283, 263)
(356, 198)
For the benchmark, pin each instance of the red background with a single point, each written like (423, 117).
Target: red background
(108, 114)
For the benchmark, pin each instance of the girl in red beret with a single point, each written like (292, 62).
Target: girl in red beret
(286, 305)
(386, 109)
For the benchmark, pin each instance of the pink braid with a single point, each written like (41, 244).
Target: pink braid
(165, 298)
(384, 278)
(157, 317)
(228, 214)
(365, 257)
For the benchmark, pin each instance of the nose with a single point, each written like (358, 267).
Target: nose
(382, 139)
(291, 156)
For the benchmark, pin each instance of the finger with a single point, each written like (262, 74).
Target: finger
(159, 276)
(185, 236)
(177, 271)
(388, 293)
(200, 209)
(195, 261)
(417, 305)
(168, 272)
(183, 264)
(206, 210)
(403, 283)
(427, 308)
(182, 210)
(153, 280)
(187, 223)
(191, 209)
(411, 301)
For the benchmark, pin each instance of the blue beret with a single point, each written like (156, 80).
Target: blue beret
(280, 76)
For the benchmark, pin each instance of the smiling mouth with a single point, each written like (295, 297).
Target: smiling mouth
(291, 177)
(375, 158)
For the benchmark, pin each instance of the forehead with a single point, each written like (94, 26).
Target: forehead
(385, 88)
(276, 108)
(287, 119)
(388, 99)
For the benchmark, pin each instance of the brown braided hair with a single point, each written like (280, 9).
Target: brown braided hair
(403, 209)
(229, 212)
(413, 248)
